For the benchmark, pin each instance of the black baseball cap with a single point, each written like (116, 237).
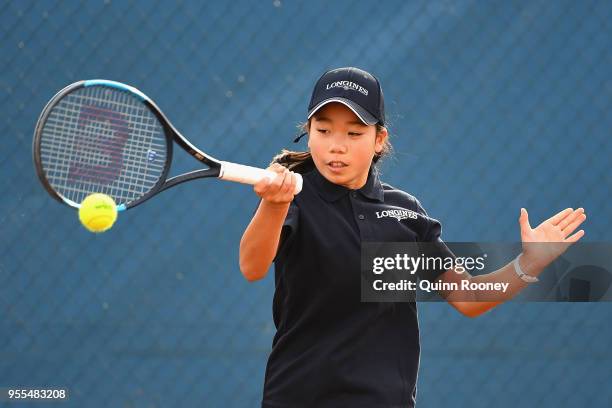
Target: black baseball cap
(359, 90)
(355, 88)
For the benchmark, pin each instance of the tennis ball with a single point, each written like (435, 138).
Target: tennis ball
(98, 212)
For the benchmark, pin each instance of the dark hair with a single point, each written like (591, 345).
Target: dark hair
(301, 162)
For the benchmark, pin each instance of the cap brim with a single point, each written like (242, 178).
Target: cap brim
(361, 113)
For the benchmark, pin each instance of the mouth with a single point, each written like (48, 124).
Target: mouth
(337, 164)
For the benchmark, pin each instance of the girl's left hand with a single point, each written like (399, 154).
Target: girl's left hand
(554, 234)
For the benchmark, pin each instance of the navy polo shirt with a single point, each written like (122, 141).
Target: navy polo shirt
(330, 349)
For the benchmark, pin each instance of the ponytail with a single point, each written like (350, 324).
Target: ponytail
(298, 162)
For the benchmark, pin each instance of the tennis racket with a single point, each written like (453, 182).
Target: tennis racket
(102, 136)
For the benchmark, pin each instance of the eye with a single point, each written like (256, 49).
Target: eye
(355, 134)
(324, 131)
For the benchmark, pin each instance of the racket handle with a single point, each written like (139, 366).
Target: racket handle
(251, 175)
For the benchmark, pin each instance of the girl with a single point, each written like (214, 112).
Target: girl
(331, 349)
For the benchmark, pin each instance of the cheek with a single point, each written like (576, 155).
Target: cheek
(364, 150)
(315, 147)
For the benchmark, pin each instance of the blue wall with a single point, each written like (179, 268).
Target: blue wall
(493, 106)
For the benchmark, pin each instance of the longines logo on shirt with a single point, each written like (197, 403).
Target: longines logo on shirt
(399, 214)
(347, 85)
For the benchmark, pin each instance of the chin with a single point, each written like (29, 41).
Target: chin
(340, 179)
(343, 178)
(333, 175)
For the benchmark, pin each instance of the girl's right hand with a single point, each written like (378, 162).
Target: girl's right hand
(279, 190)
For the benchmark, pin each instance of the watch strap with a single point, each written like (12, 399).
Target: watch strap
(520, 273)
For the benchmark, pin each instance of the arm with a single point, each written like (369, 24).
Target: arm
(556, 231)
(474, 303)
(261, 238)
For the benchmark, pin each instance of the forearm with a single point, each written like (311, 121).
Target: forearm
(260, 240)
(475, 302)
(504, 275)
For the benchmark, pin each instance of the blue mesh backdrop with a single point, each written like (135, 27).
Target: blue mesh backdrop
(492, 105)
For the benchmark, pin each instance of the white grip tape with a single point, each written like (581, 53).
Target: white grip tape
(251, 175)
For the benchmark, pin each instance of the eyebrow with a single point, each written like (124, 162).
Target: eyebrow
(326, 119)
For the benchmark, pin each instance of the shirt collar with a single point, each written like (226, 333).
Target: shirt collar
(333, 192)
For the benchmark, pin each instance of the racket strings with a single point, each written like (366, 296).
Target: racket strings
(100, 139)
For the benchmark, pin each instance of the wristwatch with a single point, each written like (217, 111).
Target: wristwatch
(521, 274)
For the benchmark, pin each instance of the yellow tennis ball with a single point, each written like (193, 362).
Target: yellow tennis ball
(98, 212)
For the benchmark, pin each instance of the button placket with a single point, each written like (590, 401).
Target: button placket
(359, 212)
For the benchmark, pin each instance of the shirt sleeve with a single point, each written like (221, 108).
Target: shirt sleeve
(433, 245)
(289, 230)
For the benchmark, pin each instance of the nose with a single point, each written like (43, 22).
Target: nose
(338, 144)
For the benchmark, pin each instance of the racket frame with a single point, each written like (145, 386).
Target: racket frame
(217, 168)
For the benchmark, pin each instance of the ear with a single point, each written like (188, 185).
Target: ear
(381, 138)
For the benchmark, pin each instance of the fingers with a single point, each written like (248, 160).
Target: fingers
(569, 218)
(277, 168)
(556, 219)
(262, 186)
(575, 221)
(575, 237)
(289, 183)
(280, 189)
(276, 183)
